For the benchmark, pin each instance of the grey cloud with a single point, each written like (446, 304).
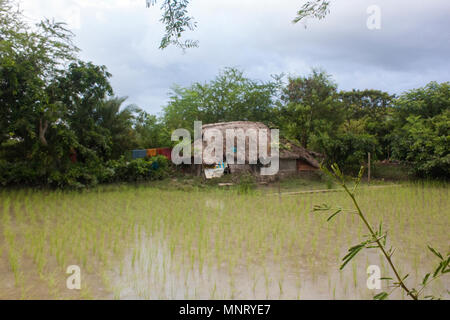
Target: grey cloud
(411, 49)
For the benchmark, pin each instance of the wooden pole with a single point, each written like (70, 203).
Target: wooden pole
(279, 189)
(368, 167)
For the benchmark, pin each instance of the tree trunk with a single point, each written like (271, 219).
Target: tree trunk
(42, 131)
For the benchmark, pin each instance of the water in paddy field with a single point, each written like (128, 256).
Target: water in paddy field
(153, 244)
(153, 273)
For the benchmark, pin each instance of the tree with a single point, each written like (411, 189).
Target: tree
(372, 111)
(346, 148)
(310, 108)
(82, 91)
(422, 125)
(151, 132)
(119, 123)
(426, 102)
(229, 97)
(30, 61)
(176, 19)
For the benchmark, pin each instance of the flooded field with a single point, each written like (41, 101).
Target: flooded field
(147, 243)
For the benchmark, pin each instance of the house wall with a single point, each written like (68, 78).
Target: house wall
(240, 168)
(194, 169)
(304, 166)
(288, 166)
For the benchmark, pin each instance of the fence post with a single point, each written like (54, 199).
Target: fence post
(368, 167)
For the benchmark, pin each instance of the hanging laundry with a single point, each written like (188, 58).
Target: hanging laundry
(136, 154)
(167, 152)
(151, 152)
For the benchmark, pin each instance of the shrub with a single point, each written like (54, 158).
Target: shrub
(19, 173)
(81, 175)
(153, 168)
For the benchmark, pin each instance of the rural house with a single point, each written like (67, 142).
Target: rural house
(294, 159)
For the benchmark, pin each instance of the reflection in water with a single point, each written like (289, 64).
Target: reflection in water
(151, 272)
(146, 243)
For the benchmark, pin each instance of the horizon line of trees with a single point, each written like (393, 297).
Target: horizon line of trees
(54, 107)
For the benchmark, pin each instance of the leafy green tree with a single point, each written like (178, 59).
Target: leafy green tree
(346, 148)
(82, 90)
(344, 126)
(426, 102)
(422, 125)
(311, 107)
(30, 61)
(119, 122)
(229, 97)
(151, 132)
(372, 111)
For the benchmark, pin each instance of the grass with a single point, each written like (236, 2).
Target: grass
(156, 241)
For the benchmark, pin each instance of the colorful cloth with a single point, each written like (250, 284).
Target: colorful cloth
(167, 152)
(136, 154)
(151, 152)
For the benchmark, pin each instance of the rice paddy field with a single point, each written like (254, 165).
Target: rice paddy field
(144, 242)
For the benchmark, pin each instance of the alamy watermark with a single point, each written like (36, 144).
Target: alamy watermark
(374, 279)
(74, 280)
(374, 19)
(259, 147)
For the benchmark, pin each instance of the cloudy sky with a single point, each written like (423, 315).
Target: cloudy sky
(411, 48)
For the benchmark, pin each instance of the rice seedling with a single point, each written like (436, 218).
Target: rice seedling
(376, 239)
(154, 243)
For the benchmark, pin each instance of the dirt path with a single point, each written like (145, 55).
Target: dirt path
(327, 190)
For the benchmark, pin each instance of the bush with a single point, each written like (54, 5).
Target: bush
(348, 150)
(77, 176)
(81, 175)
(154, 168)
(19, 173)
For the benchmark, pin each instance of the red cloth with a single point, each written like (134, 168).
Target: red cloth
(167, 152)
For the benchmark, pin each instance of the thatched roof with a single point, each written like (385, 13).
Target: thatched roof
(235, 125)
(288, 150)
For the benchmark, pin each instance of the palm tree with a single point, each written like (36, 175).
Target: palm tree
(119, 123)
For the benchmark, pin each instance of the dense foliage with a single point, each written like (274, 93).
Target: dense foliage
(61, 125)
(421, 133)
(59, 120)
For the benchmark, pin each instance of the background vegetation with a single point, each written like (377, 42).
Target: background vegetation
(54, 107)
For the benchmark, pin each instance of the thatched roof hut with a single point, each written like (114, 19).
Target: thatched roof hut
(248, 128)
(288, 150)
(292, 151)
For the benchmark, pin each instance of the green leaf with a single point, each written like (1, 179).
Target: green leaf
(331, 217)
(322, 207)
(353, 252)
(445, 268)
(381, 296)
(425, 278)
(438, 269)
(358, 180)
(436, 253)
(337, 171)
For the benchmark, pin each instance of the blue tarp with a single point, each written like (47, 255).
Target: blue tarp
(136, 154)
(155, 165)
